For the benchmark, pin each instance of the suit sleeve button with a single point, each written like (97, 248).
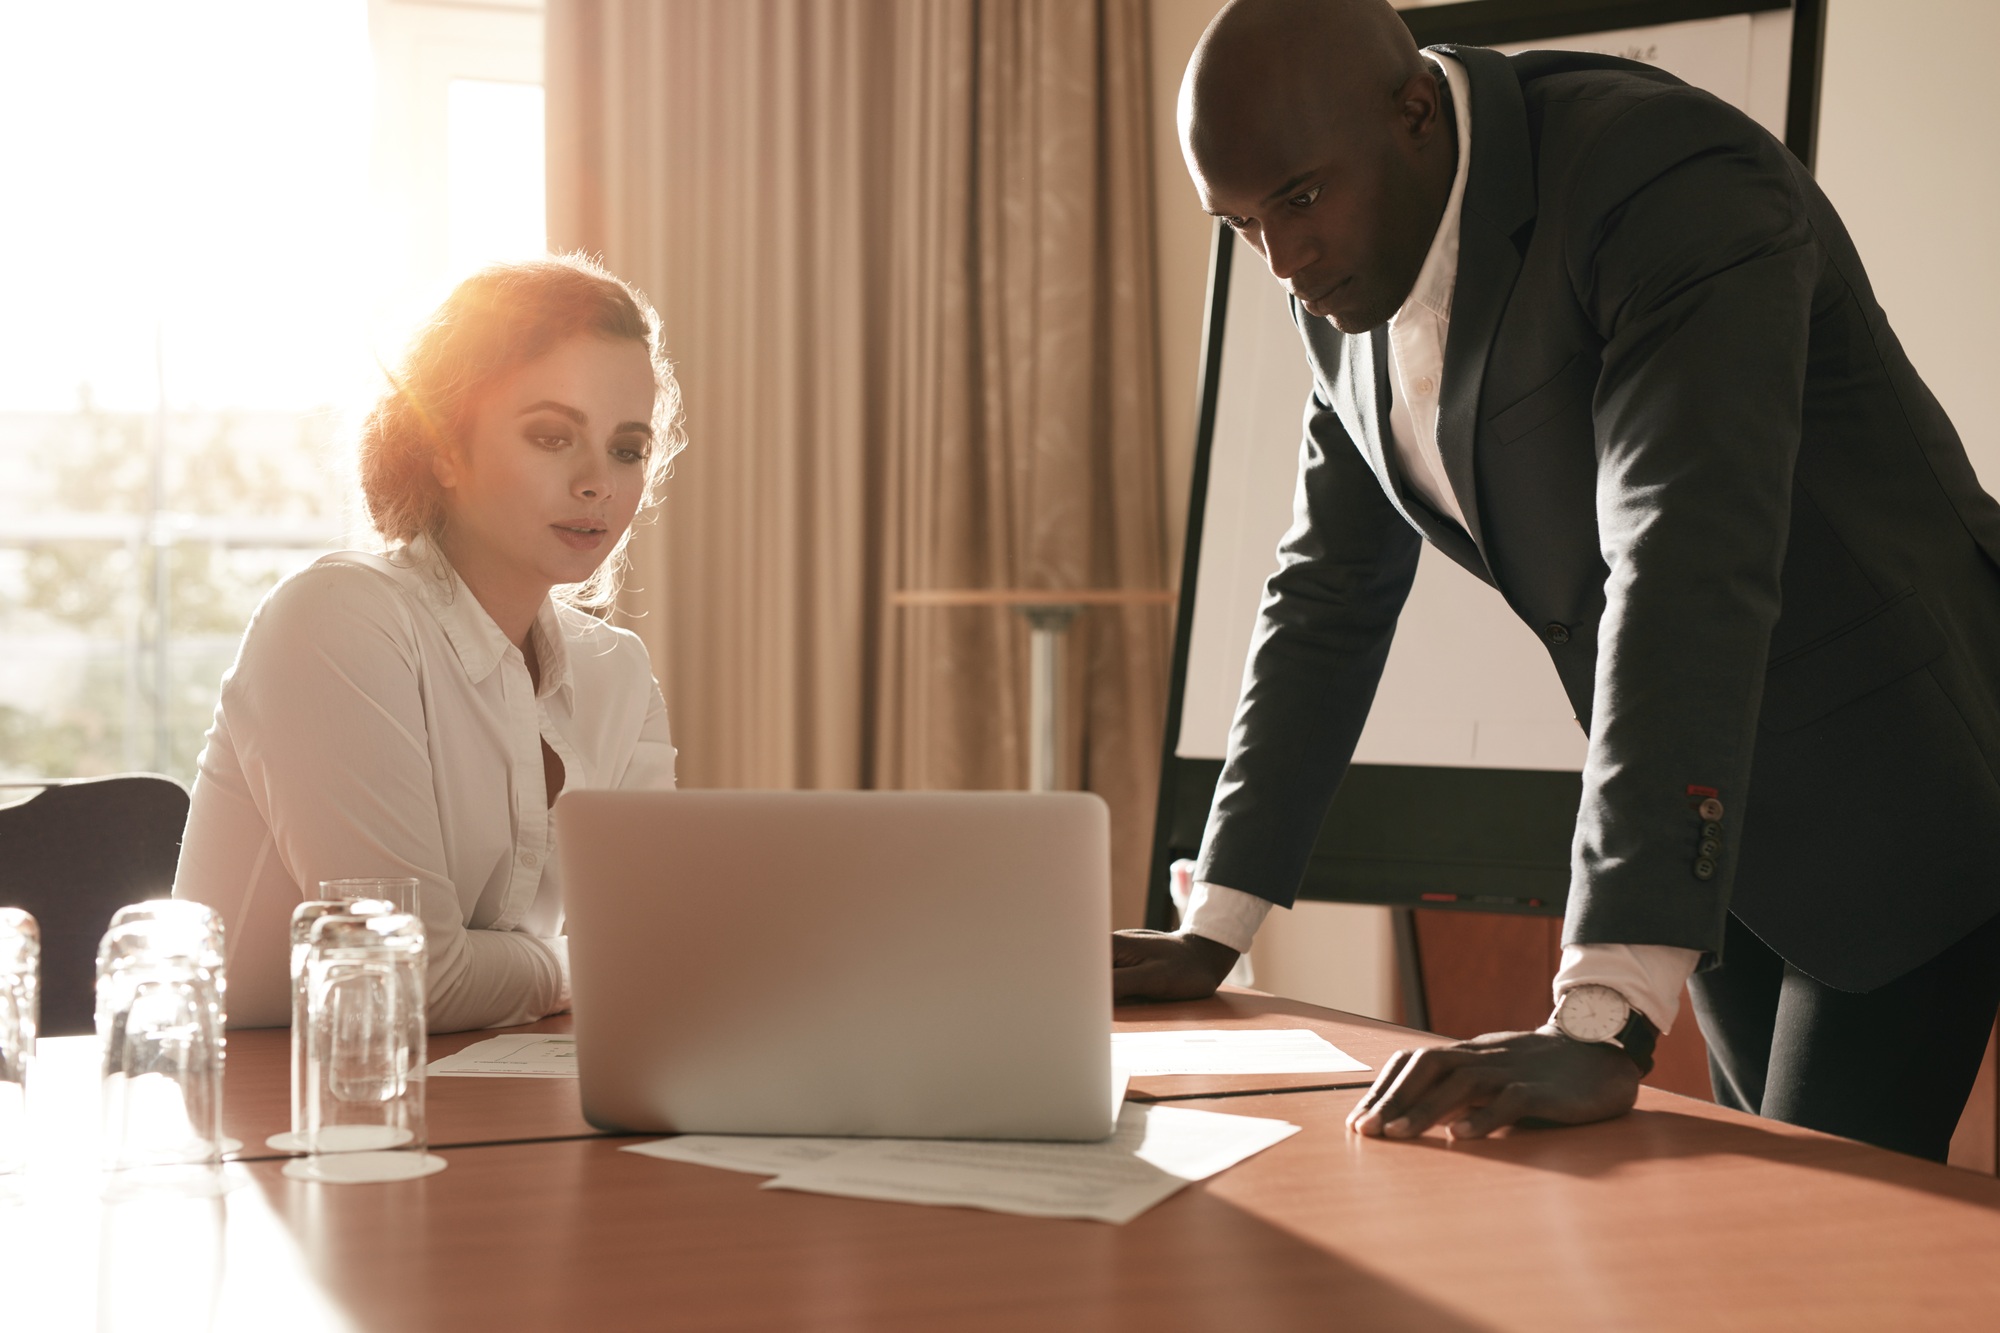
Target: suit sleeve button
(1558, 634)
(1710, 847)
(1704, 869)
(1711, 830)
(1711, 810)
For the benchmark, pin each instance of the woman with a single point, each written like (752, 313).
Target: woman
(416, 714)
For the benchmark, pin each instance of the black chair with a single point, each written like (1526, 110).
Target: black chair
(74, 854)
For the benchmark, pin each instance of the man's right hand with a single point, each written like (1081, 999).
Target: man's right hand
(1155, 965)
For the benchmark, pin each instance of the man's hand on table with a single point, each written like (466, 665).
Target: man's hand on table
(1156, 965)
(1475, 1087)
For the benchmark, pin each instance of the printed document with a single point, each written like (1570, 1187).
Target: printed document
(762, 1154)
(1156, 1151)
(1229, 1051)
(517, 1055)
(758, 1154)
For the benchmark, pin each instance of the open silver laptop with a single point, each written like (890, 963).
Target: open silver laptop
(910, 964)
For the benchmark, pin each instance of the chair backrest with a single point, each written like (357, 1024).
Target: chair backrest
(73, 855)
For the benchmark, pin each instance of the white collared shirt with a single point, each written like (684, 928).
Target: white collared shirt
(1649, 976)
(377, 723)
(1417, 331)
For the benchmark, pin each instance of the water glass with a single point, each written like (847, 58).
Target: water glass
(365, 1051)
(20, 1013)
(399, 893)
(198, 919)
(160, 1029)
(304, 916)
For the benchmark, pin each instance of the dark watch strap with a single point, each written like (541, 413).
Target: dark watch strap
(1637, 1039)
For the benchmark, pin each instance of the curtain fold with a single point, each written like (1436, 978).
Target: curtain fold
(903, 255)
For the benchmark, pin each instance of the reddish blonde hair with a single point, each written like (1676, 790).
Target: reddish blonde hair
(496, 321)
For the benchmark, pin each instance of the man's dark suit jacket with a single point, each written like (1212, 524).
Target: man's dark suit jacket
(1693, 457)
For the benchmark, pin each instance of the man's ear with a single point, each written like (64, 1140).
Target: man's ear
(1418, 103)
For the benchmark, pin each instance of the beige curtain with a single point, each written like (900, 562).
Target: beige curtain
(903, 253)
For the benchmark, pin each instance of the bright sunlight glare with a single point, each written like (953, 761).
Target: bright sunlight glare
(198, 171)
(493, 158)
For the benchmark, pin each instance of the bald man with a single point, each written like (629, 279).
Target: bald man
(1596, 336)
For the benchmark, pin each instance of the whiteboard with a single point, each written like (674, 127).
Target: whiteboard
(1467, 684)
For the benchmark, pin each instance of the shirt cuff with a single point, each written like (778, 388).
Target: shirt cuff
(1649, 976)
(559, 945)
(1227, 916)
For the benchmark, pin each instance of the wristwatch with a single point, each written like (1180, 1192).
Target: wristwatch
(1599, 1015)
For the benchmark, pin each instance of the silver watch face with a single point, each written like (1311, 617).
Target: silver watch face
(1592, 1013)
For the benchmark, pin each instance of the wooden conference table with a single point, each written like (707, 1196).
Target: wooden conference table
(1679, 1215)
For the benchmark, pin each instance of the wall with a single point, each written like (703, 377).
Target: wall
(1909, 154)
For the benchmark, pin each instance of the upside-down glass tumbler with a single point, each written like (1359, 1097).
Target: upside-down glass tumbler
(365, 1046)
(196, 918)
(160, 1029)
(400, 893)
(20, 1013)
(304, 916)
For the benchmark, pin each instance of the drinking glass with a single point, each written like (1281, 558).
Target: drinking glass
(400, 893)
(196, 918)
(159, 1027)
(364, 1066)
(20, 1013)
(304, 916)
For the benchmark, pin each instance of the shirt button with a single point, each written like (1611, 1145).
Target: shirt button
(1557, 633)
(1711, 810)
(1425, 386)
(1704, 869)
(530, 860)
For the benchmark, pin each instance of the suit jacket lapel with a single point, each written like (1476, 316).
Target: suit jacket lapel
(1499, 204)
(1442, 533)
(1359, 392)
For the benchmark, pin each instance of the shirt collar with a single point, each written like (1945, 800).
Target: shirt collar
(1439, 275)
(552, 652)
(479, 642)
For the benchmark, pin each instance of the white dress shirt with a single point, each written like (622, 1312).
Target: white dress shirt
(377, 723)
(1649, 976)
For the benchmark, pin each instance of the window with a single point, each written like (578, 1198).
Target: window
(224, 214)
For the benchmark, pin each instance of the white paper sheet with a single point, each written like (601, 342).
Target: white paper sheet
(1156, 1151)
(766, 1155)
(757, 1154)
(1229, 1051)
(517, 1055)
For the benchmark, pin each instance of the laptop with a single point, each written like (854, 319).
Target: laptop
(902, 964)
